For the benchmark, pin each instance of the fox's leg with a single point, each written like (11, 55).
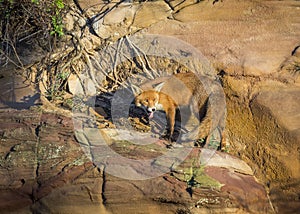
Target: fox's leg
(201, 131)
(224, 141)
(171, 121)
(205, 127)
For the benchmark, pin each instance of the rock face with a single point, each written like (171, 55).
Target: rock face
(241, 37)
(257, 54)
(16, 92)
(276, 115)
(44, 170)
(40, 157)
(254, 45)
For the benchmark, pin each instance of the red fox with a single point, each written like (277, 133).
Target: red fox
(184, 89)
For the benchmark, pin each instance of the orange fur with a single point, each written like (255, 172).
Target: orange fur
(183, 89)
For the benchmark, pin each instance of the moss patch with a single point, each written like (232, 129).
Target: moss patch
(191, 172)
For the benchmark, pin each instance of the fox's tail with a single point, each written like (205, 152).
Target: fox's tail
(201, 131)
(209, 123)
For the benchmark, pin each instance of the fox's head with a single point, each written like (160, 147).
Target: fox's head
(149, 99)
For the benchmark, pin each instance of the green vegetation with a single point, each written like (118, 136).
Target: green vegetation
(57, 23)
(36, 25)
(191, 172)
(196, 177)
(59, 79)
(30, 21)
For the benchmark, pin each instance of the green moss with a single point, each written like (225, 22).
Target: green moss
(191, 172)
(196, 177)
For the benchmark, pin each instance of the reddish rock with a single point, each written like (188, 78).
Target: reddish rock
(242, 188)
(52, 174)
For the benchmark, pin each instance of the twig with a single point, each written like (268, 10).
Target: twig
(105, 74)
(146, 59)
(138, 55)
(31, 35)
(9, 59)
(116, 59)
(78, 56)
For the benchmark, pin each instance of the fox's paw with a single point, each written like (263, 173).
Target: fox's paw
(200, 142)
(174, 145)
(165, 136)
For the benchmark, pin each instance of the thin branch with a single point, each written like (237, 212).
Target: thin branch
(146, 59)
(139, 57)
(116, 59)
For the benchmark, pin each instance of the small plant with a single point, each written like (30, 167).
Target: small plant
(57, 22)
(25, 20)
(195, 177)
(58, 82)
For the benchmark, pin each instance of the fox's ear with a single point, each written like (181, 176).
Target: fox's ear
(136, 90)
(159, 87)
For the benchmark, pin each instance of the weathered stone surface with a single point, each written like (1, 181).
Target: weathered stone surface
(241, 37)
(44, 159)
(150, 13)
(177, 5)
(51, 174)
(43, 168)
(124, 14)
(276, 114)
(241, 186)
(227, 161)
(247, 41)
(16, 92)
(283, 105)
(125, 18)
(79, 193)
(172, 190)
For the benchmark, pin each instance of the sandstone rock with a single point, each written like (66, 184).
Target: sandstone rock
(244, 36)
(83, 86)
(126, 18)
(239, 86)
(78, 193)
(44, 169)
(176, 190)
(122, 15)
(276, 114)
(51, 173)
(283, 104)
(150, 13)
(86, 4)
(178, 4)
(69, 22)
(73, 84)
(262, 62)
(222, 160)
(246, 187)
(16, 92)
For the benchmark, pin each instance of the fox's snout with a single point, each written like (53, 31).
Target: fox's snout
(151, 109)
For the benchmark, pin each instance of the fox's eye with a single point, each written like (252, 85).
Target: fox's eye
(146, 100)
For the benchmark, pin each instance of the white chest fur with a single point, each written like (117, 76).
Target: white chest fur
(159, 107)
